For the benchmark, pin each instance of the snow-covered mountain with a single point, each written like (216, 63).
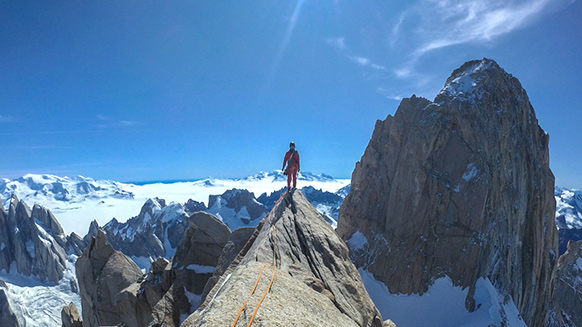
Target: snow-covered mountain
(66, 189)
(568, 216)
(77, 201)
(36, 264)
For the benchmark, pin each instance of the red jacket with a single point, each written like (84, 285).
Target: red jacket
(292, 159)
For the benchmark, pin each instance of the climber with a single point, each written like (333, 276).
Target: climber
(292, 162)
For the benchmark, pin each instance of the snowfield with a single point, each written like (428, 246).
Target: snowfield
(38, 304)
(443, 305)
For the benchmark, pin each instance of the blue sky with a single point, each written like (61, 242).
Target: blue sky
(165, 90)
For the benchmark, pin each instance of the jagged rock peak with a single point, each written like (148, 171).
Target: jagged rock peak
(34, 241)
(569, 284)
(103, 274)
(475, 79)
(315, 282)
(459, 187)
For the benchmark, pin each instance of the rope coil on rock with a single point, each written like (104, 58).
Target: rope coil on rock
(260, 274)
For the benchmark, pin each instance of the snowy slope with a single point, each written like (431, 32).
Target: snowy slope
(568, 208)
(38, 304)
(79, 200)
(568, 216)
(444, 305)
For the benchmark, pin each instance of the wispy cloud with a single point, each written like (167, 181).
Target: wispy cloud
(365, 62)
(443, 23)
(106, 122)
(339, 43)
(387, 93)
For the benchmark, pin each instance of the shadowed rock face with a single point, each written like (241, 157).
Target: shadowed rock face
(459, 187)
(315, 282)
(569, 284)
(103, 274)
(192, 266)
(7, 316)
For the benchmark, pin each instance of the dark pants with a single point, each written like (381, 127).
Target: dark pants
(291, 174)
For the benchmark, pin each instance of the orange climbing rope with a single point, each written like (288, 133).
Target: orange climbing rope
(260, 274)
(272, 277)
(253, 291)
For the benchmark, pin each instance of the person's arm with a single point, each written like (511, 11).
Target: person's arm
(297, 161)
(285, 160)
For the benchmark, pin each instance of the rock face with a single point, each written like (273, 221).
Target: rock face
(237, 208)
(192, 266)
(569, 284)
(7, 316)
(33, 240)
(114, 291)
(238, 239)
(459, 187)
(70, 316)
(315, 282)
(103, 274)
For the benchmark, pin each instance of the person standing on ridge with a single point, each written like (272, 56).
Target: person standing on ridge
(292, 161)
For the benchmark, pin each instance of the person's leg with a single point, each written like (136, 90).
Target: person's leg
(289, 180)
(294, 178)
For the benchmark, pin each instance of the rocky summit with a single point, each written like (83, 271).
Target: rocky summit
(314, 284)
(459, 187)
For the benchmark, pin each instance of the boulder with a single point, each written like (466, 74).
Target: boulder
(70, 316)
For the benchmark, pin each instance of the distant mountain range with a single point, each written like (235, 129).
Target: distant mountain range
(77, 201)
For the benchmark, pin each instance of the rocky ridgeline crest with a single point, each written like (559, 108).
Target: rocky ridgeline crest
(315, 283)
(459, 187)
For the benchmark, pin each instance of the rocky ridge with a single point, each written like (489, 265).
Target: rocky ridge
(463, 179)
(312, 264)
(114, 290)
